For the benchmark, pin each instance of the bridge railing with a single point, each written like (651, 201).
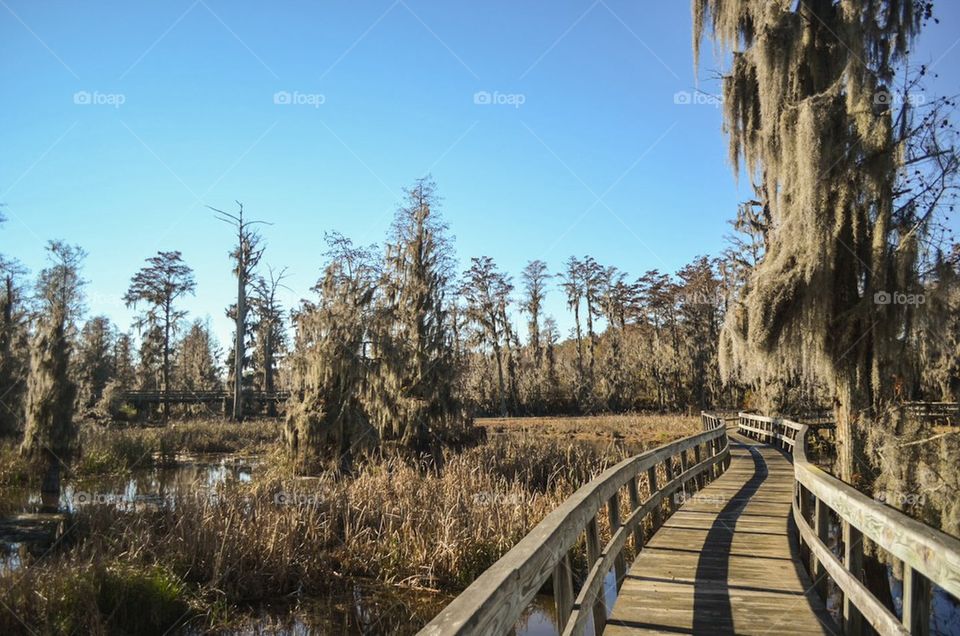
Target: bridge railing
(495, 601)
(197, 397)
(928, 555)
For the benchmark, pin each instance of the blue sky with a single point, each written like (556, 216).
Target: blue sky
(123, 120)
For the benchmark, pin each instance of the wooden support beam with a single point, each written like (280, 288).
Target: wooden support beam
(656, 519)
(593, 555)
(853, 562)
(633, 493)
(563, 590)
(613, 515)
(822, 529)
(916, 601)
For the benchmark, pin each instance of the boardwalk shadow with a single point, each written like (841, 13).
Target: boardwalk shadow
(712, 611)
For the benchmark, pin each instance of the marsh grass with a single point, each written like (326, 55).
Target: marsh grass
(15, 469)
(90, 597)
(285, 535)
(114, 449)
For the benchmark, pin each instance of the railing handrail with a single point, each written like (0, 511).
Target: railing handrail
(494, 602)
(928, 555)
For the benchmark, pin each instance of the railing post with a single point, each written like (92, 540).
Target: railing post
(711, 453)
(613, 514)
(657, 510)
(633, 493)
(593, 555)
(563, 590)
(684, 464)
(822, 529)
(853, 562)
(916, 601)
(728, 458)
(698, 480)
(799, 505)
(668, 467)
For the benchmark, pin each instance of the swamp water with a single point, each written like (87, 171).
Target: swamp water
(27, 524)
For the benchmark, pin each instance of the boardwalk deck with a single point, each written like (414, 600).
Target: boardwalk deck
(725, 562)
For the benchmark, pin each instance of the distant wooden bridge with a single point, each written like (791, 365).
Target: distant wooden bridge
(722, 524)
(139, 398)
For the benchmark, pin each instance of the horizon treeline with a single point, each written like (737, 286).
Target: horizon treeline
(643, 343)
(646, 342)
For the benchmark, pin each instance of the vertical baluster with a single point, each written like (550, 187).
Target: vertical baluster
(725, 441)
(668, 467)
(563, 590)
(916, 601)
(698, 480)
(633, 493)
(711, 452)
(657, 515)
(593, 555)
(822, 528)
(684, 464)
(613, 514)
(853, 561)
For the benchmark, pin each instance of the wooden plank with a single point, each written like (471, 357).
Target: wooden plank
(495, 600)
(927, 554)
(723, 562)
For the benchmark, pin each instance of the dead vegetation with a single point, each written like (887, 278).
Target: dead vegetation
(393, 521)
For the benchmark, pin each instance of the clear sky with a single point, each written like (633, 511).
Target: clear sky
(552, 128)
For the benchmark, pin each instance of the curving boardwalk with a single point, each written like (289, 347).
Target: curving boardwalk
(726, 561)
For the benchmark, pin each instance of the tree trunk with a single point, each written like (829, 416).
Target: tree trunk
(238, 343)
(576, 319)
(590, 342)
(166, 362)
(503, 401)
(853, 399)
(51, 476)
(268, 370)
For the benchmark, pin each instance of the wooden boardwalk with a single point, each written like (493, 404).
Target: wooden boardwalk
(725, 562)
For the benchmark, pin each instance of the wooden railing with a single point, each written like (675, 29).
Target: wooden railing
(947, 413)
(928, 556)
(199, 397)
(495, 601)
